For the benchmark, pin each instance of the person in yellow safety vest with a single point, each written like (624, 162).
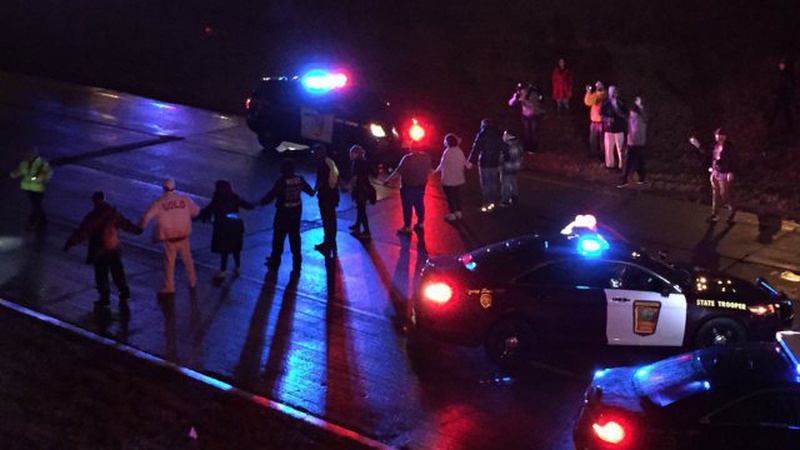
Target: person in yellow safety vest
(34, 173)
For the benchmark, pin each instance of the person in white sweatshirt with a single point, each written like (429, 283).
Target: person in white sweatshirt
(173, 213)
(452, 168)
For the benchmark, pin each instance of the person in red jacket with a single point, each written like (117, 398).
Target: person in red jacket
(562, 86)
(100, 227)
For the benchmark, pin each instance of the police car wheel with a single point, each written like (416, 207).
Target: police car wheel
(510, 343)
(720, 331)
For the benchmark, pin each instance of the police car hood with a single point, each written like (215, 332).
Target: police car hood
(720, 286)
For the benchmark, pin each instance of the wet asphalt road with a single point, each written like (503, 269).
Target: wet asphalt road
(326, 343)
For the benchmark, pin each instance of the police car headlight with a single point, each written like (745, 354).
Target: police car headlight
(377, 130)
(762, 310)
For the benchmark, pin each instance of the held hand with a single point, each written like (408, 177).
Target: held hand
(693, 140)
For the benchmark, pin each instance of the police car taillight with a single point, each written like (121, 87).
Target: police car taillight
(438, 292)
(611, 431)
(247, 104)
(416, 131)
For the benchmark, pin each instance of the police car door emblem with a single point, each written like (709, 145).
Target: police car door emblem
(645, 317)
(486, 298)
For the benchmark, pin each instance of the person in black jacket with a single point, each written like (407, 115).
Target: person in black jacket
(724, 163)
(615, 125)
(486, 151)
(100, 228)
(363, 192)
(228, 234)
(784, 94)
(288, 212)
(327, 189)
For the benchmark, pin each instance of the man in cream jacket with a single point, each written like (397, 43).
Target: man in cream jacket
(173, 213)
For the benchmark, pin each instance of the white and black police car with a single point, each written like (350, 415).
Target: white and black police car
(578, 286)
(327, 106)
(722, 397)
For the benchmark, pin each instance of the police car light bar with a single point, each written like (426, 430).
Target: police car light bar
(321, 81)
(790, 342)
(592, 244)
(587, 221)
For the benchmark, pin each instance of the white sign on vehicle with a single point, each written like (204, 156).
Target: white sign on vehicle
(316, 126)
(645, 318)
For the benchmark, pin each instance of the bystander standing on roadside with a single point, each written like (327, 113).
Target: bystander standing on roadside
(327, 189)
(784, 94)
(288, 212)
(34, 173)
(173, 213)
(414, 169)
(486, 150)
(529, 98)
(615, 124)
(510, 163)
(724, 163)
(363, 192)
(100, 228)
(227, 236)
(451, 167)
(637, 140)
(562, 86)
(594, 98)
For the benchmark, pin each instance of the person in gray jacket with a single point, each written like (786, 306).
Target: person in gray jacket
(637, 139)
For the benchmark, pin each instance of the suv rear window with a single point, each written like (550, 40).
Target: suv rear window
(673, 379)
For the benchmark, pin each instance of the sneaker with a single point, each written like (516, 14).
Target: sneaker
(404, 230)
(487, 207)
(712, 218)
(622, 185)
(236, 272)
(450, 217)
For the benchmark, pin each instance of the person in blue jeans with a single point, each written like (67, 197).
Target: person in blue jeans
(486, 151)
(414, 169)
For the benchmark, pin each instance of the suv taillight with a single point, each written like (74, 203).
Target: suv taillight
(438, 292)
(611, 431)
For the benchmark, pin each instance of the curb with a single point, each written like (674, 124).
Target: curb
(226, 388)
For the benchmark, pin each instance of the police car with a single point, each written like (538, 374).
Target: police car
(721, 397)
(323, 106)
(580, 286)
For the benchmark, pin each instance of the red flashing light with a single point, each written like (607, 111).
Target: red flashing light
(612, 432)
(417, 131)
(438, 292)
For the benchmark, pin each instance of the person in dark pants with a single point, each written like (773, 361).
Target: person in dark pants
(414, 169)
(531, 112)
(288, 212)
(637, 139)
(363, 192)
(100, 228)
(486, 151)
(34, 172)
(228, 235)
(452, 167)
(327, 189)
(784, 94)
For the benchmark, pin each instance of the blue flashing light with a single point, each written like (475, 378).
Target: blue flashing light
(706, 385)
(592, 245)
(771, 289)
(600, 373)
(471, 265)
(582, 288)
(642, 373)
(321, 81)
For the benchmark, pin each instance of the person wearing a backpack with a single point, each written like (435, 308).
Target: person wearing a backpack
(34, 172)
(100, 228)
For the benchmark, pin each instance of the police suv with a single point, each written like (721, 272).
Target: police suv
(578, 286)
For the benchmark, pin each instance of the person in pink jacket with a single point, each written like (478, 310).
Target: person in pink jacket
(173, 213)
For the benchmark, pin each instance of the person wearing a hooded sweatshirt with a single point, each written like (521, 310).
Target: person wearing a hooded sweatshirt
(615, 124)
(34, 172)
(594, 98)
(511, 160)
(228, 234)
(173, 213)
(288, 212)
(486, 150)
(100, 227)
(784, 94)
(637, 139)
